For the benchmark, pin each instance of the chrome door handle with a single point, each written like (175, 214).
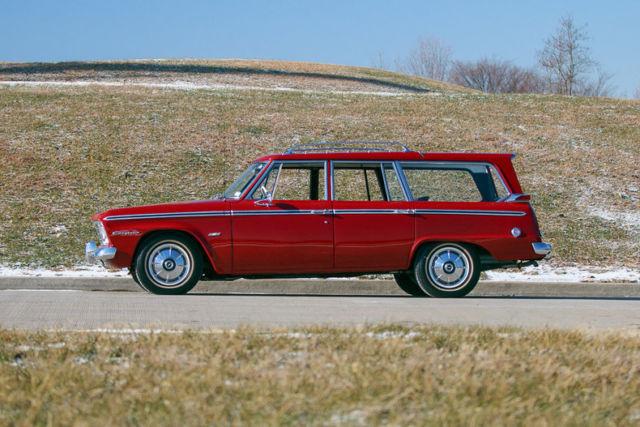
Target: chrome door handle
(403, 211)
(321, 212)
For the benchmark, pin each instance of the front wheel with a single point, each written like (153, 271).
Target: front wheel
(446, 270)
(168, 264)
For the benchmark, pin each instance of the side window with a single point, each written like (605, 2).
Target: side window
(366, 181)
(441, 184)
(293, 181)
(501, 190)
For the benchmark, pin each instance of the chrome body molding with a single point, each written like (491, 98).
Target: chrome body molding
(93, 252)
(468, 212)
(541, 248)
(370, 211)
(305, 212)
(167, 215)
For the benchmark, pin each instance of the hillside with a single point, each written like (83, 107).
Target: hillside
(169, 130)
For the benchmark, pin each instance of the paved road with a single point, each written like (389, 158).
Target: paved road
(78, 309)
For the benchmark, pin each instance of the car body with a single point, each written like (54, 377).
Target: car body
(328, 210)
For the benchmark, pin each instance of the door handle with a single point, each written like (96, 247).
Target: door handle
(403, 211)
(321, 212)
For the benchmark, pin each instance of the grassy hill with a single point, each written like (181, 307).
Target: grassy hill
(69, 151)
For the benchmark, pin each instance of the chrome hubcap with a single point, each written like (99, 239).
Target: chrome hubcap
(169, 265)
(448, 268)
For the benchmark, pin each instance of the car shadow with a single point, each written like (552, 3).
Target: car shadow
(488, 297)
(63, 67)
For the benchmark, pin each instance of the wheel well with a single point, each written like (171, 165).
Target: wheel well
(207, 267)
(481, 252)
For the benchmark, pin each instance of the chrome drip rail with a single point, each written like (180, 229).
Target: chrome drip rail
(348, 146)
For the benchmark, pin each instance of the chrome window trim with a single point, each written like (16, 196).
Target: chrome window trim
(272, 164)
(381, 163)
(403, 181)
(451, 165)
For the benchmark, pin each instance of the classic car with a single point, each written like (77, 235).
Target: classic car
(433, 220)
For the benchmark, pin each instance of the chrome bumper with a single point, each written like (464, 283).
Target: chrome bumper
(93, 252)
(541, 248)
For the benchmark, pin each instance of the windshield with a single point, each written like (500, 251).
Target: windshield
(238, 187)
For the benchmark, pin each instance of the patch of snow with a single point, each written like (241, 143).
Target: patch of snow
(565, 274)
(80, 271)
(629, 220)
(181, 85)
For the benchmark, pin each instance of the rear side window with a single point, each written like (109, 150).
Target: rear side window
(366, 181)
(453, 182)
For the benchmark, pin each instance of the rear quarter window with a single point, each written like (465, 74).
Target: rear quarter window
(442, 185)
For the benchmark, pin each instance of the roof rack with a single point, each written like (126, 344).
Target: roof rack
(349, 146)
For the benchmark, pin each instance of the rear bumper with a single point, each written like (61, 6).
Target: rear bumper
(541, 248)
(94, 253)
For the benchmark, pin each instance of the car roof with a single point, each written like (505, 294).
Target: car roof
(391, 156)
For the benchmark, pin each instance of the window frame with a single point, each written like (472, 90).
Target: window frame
(381, 164)
(276, 164)
(434, 165)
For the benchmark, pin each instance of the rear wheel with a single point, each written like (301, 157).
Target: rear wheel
(407, 283)
(168, 264)
(446, 270)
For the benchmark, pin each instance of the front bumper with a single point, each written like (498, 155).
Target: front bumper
(541, 248)
(94, 253)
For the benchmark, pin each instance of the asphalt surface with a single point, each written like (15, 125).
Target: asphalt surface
(50, 304)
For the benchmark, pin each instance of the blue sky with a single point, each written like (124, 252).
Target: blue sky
(341, 32)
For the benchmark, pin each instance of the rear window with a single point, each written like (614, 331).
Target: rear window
(453, 182)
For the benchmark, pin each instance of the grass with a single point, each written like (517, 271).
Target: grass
(67, 153)
(365, 376)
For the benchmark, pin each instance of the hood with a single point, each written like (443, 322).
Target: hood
(192, 206)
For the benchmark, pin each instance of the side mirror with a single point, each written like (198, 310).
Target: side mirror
(266, 200)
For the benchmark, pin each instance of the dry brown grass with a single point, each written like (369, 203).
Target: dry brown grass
(366, 376)
(67, 153)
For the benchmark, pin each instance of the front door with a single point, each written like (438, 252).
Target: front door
(284, 225)
(374, 222)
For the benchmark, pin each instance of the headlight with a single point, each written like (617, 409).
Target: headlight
(102, 233)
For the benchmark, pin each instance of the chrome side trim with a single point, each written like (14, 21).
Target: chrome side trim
(370, 211)
(541, 248)
(467, 212)
(167, 215)
(276, 212)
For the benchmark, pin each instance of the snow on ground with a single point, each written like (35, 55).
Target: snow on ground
(543, 273)
(629, 220)
(181, 85)
(93, 271)
(575, 274)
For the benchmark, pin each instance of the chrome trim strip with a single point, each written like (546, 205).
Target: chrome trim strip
(467, 212)
(276, 212)
(167, 215)
(368, 211)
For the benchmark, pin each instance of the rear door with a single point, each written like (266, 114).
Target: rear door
(373, 221)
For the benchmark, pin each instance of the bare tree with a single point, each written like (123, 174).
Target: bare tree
(566, 57)
(379, 61)
(600, 85)
(431, 58)
(637, 94)
(496, 76)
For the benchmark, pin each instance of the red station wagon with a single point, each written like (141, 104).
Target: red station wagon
(434, 220)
